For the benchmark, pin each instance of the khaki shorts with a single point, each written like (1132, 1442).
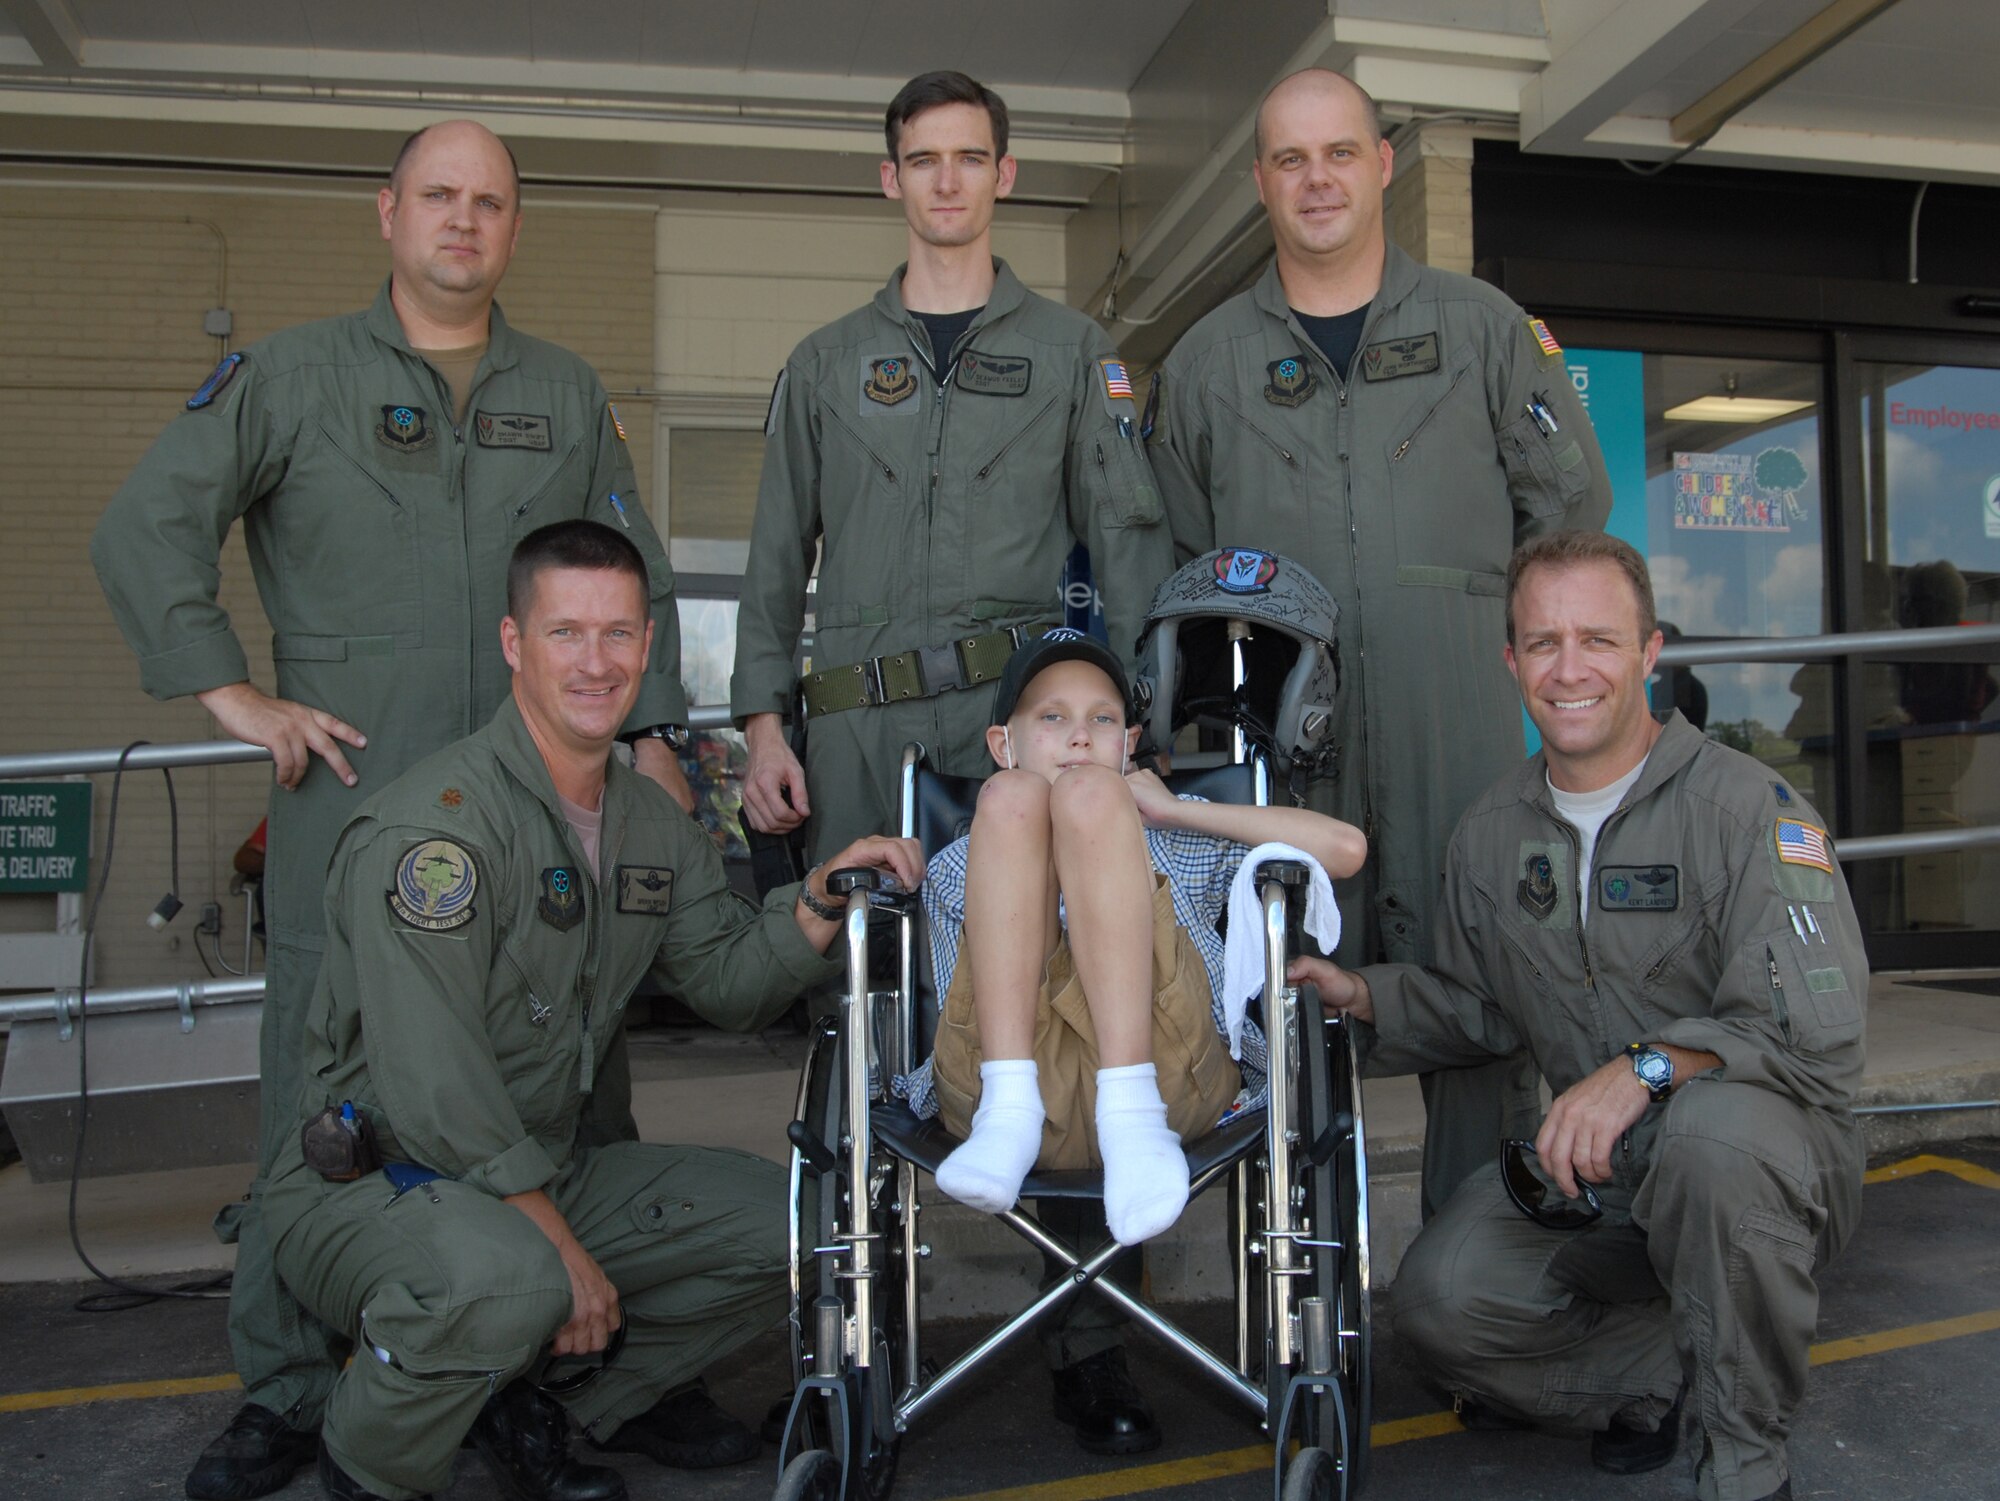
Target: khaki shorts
(1198, 1078)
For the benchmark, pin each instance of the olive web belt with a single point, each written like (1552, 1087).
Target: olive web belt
(921, 672)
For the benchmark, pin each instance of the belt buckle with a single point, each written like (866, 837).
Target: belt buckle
(941, 668)
(872, 692)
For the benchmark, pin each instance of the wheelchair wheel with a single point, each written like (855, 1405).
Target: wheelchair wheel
(822, 1190)
(813, 1476)
(1313, 1475)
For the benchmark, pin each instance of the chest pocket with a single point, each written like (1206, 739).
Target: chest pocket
(1447, 485)
(1257, 471)
(539, 482)
(346, 531)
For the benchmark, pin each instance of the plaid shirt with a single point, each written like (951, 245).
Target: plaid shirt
(1198, 868)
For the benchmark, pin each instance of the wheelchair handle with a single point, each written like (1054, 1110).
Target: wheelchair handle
(810, 1147)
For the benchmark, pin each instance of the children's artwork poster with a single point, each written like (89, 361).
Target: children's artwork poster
(1735, 492)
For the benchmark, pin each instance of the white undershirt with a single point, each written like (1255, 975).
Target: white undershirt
(1585, 812)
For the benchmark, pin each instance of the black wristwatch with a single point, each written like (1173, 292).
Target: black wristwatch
(1654, 1068)
(676, 736)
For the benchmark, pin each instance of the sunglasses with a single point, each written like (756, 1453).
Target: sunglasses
(1539, 1199)
(577, 1379)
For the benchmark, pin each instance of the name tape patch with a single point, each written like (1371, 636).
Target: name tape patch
(645, 889)
(512, 430)
(1639, 888)
(994, 374)
(1392, 358)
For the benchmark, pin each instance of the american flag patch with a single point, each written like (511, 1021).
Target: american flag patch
(1802, 844)
(615, 423)
(1543, 337)
(1116, 381)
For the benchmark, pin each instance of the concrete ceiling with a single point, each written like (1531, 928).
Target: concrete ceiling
(787, 94)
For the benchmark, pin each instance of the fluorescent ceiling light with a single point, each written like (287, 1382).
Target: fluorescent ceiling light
(1738, 409)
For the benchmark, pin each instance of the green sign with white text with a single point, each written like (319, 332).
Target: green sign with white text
(44, 836)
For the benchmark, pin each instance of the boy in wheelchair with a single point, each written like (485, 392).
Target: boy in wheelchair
(1073, 934)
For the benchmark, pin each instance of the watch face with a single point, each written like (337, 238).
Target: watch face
(1655, 1070)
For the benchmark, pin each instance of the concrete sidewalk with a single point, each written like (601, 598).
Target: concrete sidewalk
(1928, 1043)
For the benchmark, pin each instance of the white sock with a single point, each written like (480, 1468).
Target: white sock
(1145, 1173)
(986, 1172)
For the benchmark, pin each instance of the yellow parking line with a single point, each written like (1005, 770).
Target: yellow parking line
(123, 1391)
(1910, 1167)
(1902, 1339)
(1228, 1462)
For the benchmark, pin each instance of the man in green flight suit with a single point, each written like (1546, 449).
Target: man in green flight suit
(944, 448)
(1397, 430)
(383, 465)
(487, 915)
(1660, 921)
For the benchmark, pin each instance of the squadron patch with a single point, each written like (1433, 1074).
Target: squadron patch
(645, 889)
(1396, 357)
(1291, 383)
(512, 430)
(1241, 571)
(993, 374)
(889, 381)
(1639, 888)
(560, 904)
(1544, 879)
(218, 378)
(435, 883)
(403, 428)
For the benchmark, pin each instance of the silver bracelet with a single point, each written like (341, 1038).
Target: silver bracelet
(813, 904)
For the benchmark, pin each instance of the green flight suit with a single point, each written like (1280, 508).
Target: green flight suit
(379, 536)
(1403, 487)
(1739, 1186)
(944, 511)
(474, 981)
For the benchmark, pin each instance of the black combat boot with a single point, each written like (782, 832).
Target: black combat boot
(523, 1436)
(255, 1455)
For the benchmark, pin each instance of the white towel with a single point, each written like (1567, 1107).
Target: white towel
(1243, 954)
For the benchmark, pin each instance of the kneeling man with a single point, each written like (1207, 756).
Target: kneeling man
(444, 1203)
(1658, 919)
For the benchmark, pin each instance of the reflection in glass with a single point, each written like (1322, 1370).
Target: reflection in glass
(715, 760)
(1733, 540)
(1931, 456)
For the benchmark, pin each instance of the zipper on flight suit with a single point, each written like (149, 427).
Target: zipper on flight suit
(1778, 1002)
(1436, 407)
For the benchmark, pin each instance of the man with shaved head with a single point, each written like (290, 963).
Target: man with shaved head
(384, 464)
(1397, 429)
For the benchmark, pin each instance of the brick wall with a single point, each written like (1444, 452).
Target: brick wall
(102, 290)
(1430, 209)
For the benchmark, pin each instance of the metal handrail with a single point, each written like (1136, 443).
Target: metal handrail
(1915, 643)
(61, 1005)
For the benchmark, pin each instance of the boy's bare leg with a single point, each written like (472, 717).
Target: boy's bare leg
(1106, 877)
(1010, 931)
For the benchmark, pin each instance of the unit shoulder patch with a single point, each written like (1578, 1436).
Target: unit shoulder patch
(994, 374)
(1414, 355)
(435, 883)
(218, 379)
(645, 889)
(513, 430)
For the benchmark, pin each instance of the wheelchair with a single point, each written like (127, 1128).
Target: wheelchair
(1294, 1169)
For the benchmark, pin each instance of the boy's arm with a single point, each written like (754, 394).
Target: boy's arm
(1339, 847)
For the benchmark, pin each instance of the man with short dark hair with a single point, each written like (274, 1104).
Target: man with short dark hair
(383, 464)
(943, 449)
(1659, 921)
(438, 1197)
(1396, 430)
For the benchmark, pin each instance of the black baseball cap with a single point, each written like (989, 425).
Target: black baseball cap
(1059, 645)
